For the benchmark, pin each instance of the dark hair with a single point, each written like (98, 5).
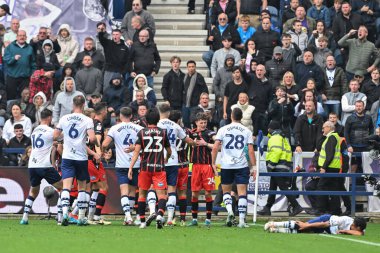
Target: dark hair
(116, 30)
(360, 101)
(164, 108)
(46, 113)
(12, 118)
(237, 114)
(360, 222)
(201, 116)
(234, 68)
(100, 23)
(152, 116)
(333, 114)
(79, 101)
(175, 115)
(286, 35)
(296, 21)
(126, 112)
(99, 107)
(18, 126)
(191, 61)
(302, 102)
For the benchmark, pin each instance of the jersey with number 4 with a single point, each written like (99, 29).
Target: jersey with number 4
(74, 127)
(234, 137)
(174, 132)
(124, 135)
(42, 144)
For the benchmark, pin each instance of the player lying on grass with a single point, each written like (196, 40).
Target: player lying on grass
(326, 223)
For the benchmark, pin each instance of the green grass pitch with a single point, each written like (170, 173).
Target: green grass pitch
(45, 236)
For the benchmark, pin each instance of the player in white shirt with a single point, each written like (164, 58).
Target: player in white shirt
(76, 129)
(174, 132)
(40, 164)
(233, 138)
(326, 223)
(124, 136)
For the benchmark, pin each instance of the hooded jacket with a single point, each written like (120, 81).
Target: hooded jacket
(45, 104)
(64, 102)
(116, 95)
(148, 91)
(219, 59)
(47, 57)
(145, 58)
(23, 67)
(222, 77)
(301, 39)
(69, 46)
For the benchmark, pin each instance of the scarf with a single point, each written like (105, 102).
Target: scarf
(191, 88)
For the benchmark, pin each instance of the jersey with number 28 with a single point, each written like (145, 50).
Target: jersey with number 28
(74, 127)
(234, 137)
(42, 144)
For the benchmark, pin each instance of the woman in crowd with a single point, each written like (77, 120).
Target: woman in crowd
(16, 118)
(308, 95)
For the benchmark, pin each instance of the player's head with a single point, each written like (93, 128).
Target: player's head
(46, 116)
(201, 120)
(359, 224)
(125, 114)
(164, 110)
(152, 116)
(78, 102)
(236, 115)
(175, 116)
(101, 109)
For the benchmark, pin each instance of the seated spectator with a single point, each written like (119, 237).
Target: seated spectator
(308, 95)
(320, 12)
(349, 99)
(19, 140)
(266, 39)
(308, 24)
(116, 94)
(89, 48)
(67, 71)
(26, 107)
(277, 67)
(250, 53)
(24, 160)
(47, 55)
(309, 69)
(371, 88)
(42, 80)
(311, 85)
(290, 50)
(204, 107)
(41, 103)
(247, 109)
(141, 83)
(291, 88)
(223, 6)
(16, 118)
(69, 46)
(108, 159)
(245, 32)
(89, 79)
(299, 37)
(219, 56)
(140, 99)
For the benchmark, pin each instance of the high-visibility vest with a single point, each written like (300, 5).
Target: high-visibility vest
(336, 162)
(279, 150)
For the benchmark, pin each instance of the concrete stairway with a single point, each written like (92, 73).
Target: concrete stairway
(179, 34)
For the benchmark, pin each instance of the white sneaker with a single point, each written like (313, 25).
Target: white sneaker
(142, 225)
(268, 225)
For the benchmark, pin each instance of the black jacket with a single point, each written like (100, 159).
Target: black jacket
(40, 60)
(230, 12)
(372, 91)
(173, 87)
(230, 31)
(37, 46)
(307, 135)
(145, 58)
(260, 94)
(342, 25)
(199, 88)
(96, 56)
(143, 27)
(357, 129)
(116, 96)
(276, 70)
(266, 41)
(281, 113)
(312, 70)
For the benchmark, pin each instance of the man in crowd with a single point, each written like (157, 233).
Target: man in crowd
(90, 50)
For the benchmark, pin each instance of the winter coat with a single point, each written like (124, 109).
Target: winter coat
(372, 91)
(89, 80)
(230, 11)
(216, 43)
(47, 57)
(173, 87)
(304, 72)
(266, 41)
(357, 129)
(260, 94)
(307, 135)
(116, 95)
(45, 105)
(247, 110)
(145, 58)
(219, 58)
(301, 40)
(23, 67)
(199, 87)
(339, 87)
(69, 46)
(97, 58)
(276, 69)
(148, 91)
(222, 77)
(322, 14)
(342, 25)
(126, 27)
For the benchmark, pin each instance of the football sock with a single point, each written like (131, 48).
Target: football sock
(152, 201)
(285, 230)
(170, 205)
(141, 208)
(242, 207)
(100, 201)
(161, 206)
(228, 202)
(27, 207)
(92, 204)
(59, 212)
(208, 207)
(74, 207)
(82, 204)
(132, 202)
(65, 201)
(285, 224)
(182, 207)
(125, 204)
(194, 208)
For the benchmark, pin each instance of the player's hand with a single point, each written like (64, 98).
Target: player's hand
(215, 171)
(129, 42)
(201, 142)
(253, 172)
(298, 149)
(302, 225)
(130, 173)
(97, 157)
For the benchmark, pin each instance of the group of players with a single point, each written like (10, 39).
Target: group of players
(153, 159)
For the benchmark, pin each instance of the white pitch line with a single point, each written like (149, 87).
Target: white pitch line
(352, 240)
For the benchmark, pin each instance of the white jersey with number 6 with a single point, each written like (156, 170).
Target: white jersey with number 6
(42, 144)
(174, 132)
(234, 137)
(123, 135)
(74, 127)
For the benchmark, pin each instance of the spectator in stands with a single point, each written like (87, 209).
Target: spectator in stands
(309, 69)
(42, 80)
(108, 159)
(335, 10)
(141, 83)
(67, 71)
(320, 12)
(26, 107)
(345, 22)
(339, 129)
(140, 100)
(371, 88)
(3, 106)
(24, 160)
(101, 27)
(311, 85)
(69, 46)
(291, 88)
(273, 26)
(260, 95)
(299, 37)
(322, 31)
(308, 95)
(19, 140)
(219, 56)
(4, 160)
(266, 39)
(41, 103)
(2, 32)
(17, 118)
(223, 30)
(117, 56)
(204, 107)
(11, 35)
(252, 9)
(38, 42)
(194, 86)
(138, 25)
(290, 12)
(64, 101)
(308, 129)
(4, 10)
(250, 53)
(369, 10)
(144, 58)
(140, 118)
(89, 79)
(277, 67)
(116, 94)
(173, 86)
(246, 108)
(349, 99)
(335, 86)
(360, 52)
(97, 56)
(321, 52)
(245, 32)
(126, 25)
(290, 50)
(20, 64)
(308, 24)
(47, 55)
(223, 6)
(374, 113)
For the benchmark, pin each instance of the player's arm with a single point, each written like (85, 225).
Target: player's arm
(91, 137)
(94, 154)
(57, 134)
(134, 159)
(106, 143)
(190, 141)
(350, 232)
(168, 153)
(214, 154)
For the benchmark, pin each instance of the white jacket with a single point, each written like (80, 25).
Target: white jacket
(8, 129)
(247, 114)
(69, 46)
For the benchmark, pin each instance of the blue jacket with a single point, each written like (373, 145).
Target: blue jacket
(322, 14)
(25, 66)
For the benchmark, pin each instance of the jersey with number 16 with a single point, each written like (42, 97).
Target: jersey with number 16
(42, 144)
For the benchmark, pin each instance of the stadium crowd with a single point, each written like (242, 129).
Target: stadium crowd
(295, 63)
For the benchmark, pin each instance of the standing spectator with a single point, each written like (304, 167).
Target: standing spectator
(322, 31)
(320, 12)
(47, 55)
(67, 71)
(266, 39)
(345, 22)
(19, 140)
(116, 94)
(204, 107)
(101, 27)
(290, 12)
(371, 88)
(26, 107)
(173, 86)
(3, 106)
(291, 88)
(322, 52)
(309, 69)
(138, 25)
(335, 10)
(369, 10)
(89, 79)
(97, 56)
(194, 86)
(220, 56)
(308, 129)
(299, 37)
(246, 108)
(223, 6)
(69, 46)
(308, 24)
(139, 100)
(11, 35)
(290, 50)
(360, 52)
(245, 32)
(17, 118)
(339, 129)
(349, 99)
(144, 58)
(38, 42)
(20, 64)
(117, 56)
(40, 102)
(277, 67)
(42, 80)
(126, 25)
(251, 53)
(308, 95)
(335, 86)
(141, 83)
(251, 8)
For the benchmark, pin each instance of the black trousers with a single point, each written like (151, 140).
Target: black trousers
(283, 183)
(328, 203)
(15, 85)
